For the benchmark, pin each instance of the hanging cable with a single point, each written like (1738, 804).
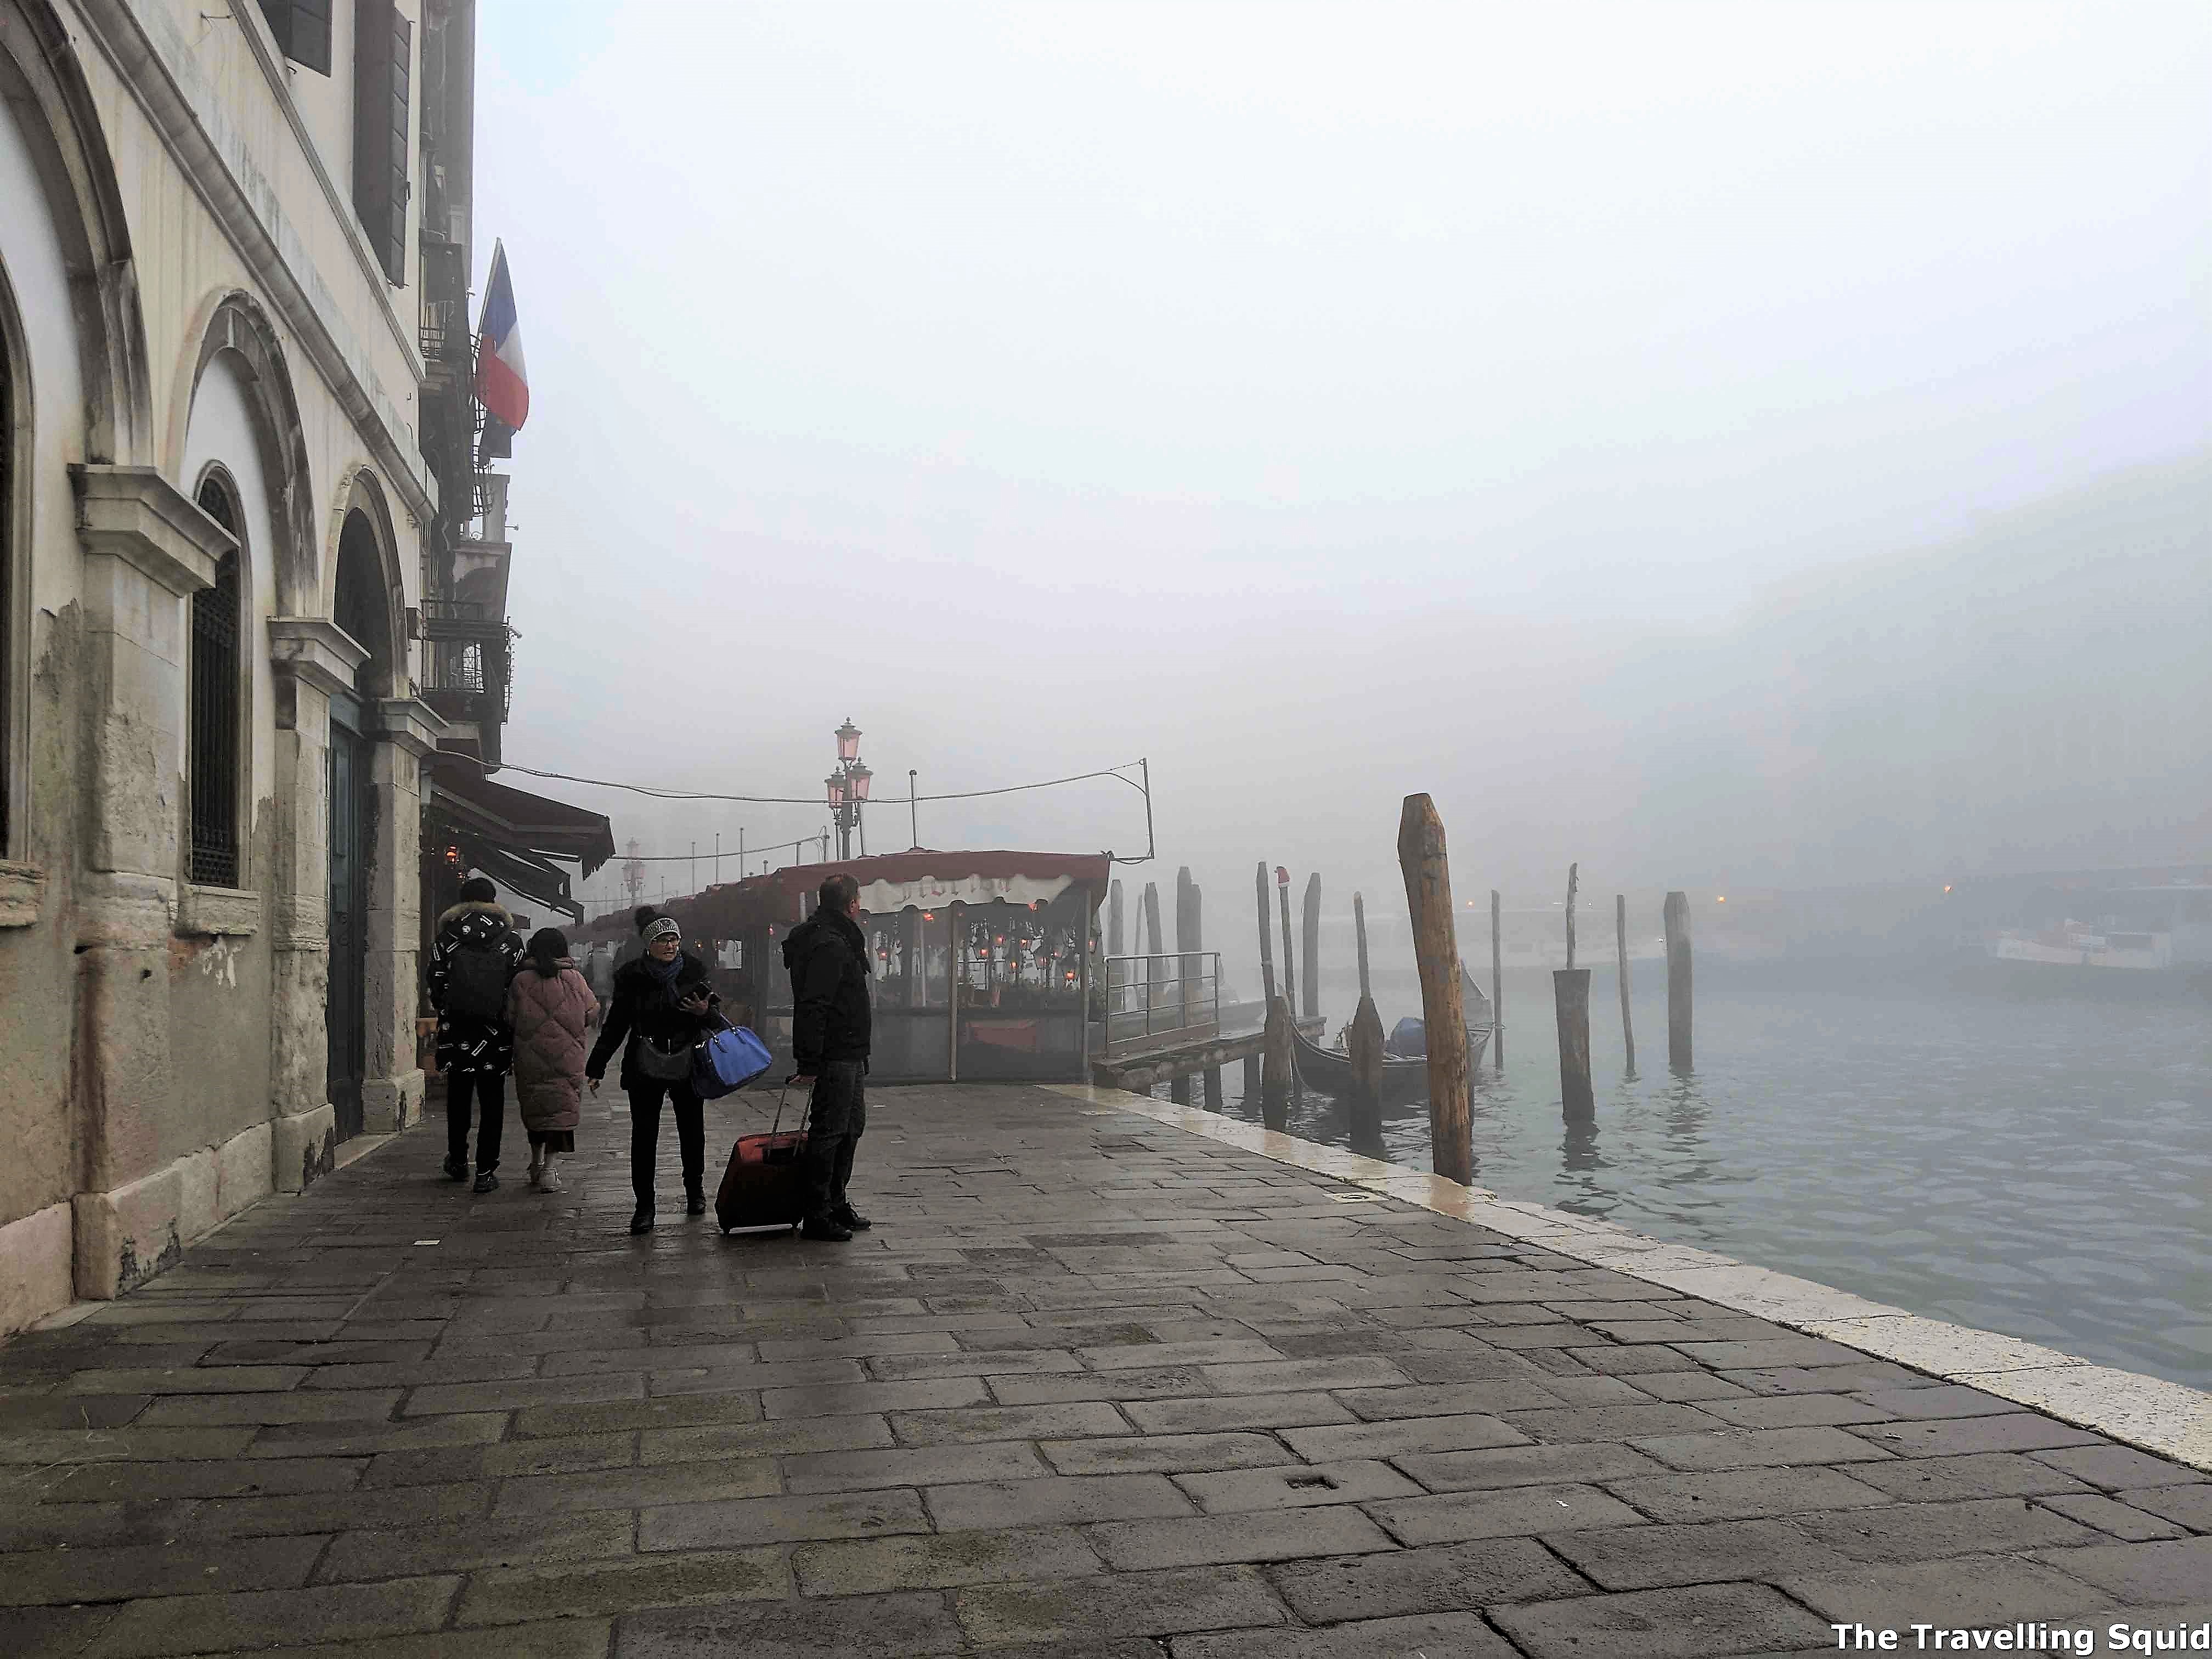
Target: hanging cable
(660, 792)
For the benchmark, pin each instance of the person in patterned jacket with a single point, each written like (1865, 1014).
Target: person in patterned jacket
(476, 953)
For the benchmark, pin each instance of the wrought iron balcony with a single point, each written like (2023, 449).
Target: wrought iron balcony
(464, 621)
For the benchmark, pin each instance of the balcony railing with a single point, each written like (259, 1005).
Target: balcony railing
(463, 620)
(468, 668)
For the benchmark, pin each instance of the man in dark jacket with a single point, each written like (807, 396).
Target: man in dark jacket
(473, 957)
(828, 957)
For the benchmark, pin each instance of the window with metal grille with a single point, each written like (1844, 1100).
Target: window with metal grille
(383, 67)
(302, 28)
(213, 739)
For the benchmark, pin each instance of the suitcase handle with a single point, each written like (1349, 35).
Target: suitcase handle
(780, 1099)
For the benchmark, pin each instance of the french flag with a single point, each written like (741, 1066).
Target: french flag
(502, 384)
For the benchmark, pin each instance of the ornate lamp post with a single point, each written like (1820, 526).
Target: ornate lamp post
(847, 789)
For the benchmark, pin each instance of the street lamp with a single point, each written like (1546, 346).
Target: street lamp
(856, 786)
(848, 786)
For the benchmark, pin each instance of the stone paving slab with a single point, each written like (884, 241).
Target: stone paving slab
(2165, 1418)
(1096, 1386)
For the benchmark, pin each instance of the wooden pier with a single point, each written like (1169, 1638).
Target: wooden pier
(1141, 1073)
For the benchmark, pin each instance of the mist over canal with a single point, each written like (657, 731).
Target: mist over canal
(2037, 1166)
(1733, 448)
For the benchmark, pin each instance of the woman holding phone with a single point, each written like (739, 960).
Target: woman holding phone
(662, 1006)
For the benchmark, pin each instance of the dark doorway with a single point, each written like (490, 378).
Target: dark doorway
(344, 1014)
(362, 609)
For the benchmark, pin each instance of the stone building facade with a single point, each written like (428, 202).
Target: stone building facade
(215, 517)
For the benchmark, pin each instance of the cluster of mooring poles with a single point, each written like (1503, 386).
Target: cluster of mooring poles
(1421, 855)
(1570, 1000)
(1426, 865)
(1271, 1073)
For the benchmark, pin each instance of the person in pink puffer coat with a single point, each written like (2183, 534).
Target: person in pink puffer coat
(550, 1007)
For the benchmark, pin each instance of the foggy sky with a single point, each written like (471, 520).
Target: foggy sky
(1551, 408)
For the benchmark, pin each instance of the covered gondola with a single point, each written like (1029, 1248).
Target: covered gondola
(1328, 1071)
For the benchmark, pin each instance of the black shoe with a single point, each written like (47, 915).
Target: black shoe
(487, 1181)
(642, 1221)
(852, 1218)
(694, 1202)
(826, 1230)
(457, 1168)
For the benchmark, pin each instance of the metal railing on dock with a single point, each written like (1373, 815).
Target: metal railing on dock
(1162, 1001)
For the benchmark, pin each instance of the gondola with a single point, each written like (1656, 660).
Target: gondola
(1328, 1071)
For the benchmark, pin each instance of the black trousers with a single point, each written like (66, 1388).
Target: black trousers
(837, 1115)
(645, 1098)
(487, 1091)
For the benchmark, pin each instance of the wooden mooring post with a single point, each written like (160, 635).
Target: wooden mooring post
(1250, 1081)
(1190, 941)
(1423, 858)
(1266, 927)
(1570, 1004)
(1188, 964)
(1365, 1041)
(1677, 917)
(1114, 934)
(1497, 988)
(1312, 928)
(1290, 979)
(1620, 957)
(1279, 1066)
(1148, 943)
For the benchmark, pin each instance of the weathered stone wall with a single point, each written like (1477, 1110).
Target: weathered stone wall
(37, 884)
(161, 1044)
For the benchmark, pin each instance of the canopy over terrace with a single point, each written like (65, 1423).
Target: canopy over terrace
(469, 822)
(981, 960)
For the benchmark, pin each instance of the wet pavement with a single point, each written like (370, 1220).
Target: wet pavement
(1093, 1387)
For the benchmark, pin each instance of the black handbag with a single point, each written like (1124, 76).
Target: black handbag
(650, 1059)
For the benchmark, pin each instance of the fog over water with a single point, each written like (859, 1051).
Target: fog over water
(1721, 444)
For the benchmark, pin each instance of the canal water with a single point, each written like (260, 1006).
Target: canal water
(2039, 1167)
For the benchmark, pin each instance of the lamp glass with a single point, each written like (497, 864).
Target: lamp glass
(849, 741)
(859, 776)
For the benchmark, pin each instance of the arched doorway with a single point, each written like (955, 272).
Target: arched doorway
(362, 607)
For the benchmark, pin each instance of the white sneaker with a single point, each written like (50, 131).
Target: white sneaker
(549, 1182)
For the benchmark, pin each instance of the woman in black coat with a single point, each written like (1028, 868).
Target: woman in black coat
(662, 1006)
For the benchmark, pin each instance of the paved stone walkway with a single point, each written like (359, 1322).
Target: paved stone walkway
(1093, 1387)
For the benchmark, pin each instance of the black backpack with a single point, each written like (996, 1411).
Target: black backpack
(475, 982)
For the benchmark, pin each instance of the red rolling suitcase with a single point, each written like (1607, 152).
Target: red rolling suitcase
(765, 1185)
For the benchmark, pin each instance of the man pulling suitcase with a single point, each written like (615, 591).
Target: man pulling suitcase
(827, 958)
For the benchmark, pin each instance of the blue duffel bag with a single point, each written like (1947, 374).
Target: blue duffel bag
(729, 1060)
